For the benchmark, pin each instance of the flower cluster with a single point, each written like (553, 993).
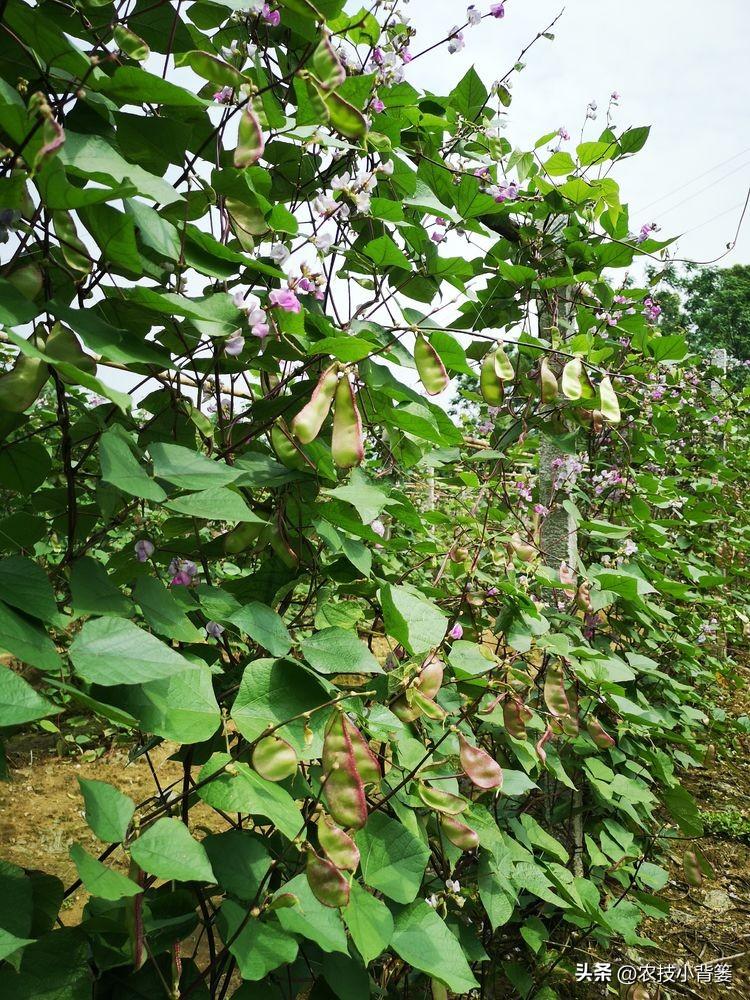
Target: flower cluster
(182, 572)
(257, 320)
(608, 481)
(651, 309)
(645, 232)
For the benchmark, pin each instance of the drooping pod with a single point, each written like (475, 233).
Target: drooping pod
(503, 365)
(63, 345)
(548, 382)
(572, 379)
(440, 801)
(481, 769)
(274, 759)
(328, 883)
(458, 833)
(555, 697)
(515, 716)
(540, 744)
(347, 446)
(348, 764)
(21, 386)
(328, 67)
(490, 383)
(598, 734)
(308, 422)
(609, 402)
(250, 142)
(337, 845)
(430, 366)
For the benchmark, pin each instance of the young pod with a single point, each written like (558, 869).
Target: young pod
(481, 769)
(21, 386)
(503, 365)
(274, 759)
(337, 845)
(308, 422)
(555, 697)
(548, 382)
(598, 734)
(610, 406)
(347, 446)
(440, 801)
(459, 834)
(571, 381)
(430, 367)
(329, 885)
(250, 142)
(490, 383)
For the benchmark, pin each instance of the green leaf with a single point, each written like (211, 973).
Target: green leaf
(240, 789)
(167, 850)
(24, 585)
(118, 652)
(93, 593)
(108, 811)
(162, 612)
(259, 946)
(369, 921)
(181, 707)
(384, 252)
(19, 702)
(311, 919)
(393, 858)
(559, 164)
(239, 861)
(264, 626)
(339, 651)
(133, 85)
(470, 96)
(368, 500)
(188, 469)
(26, 640)
(217, 503)
(9, 943)
(683, 809)
(211, 68)
(92, 157)
(272, 691)
(423, 941)
(98, 879)
(121, 468)
(412, 619)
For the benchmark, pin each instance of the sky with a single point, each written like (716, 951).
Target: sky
(681, 66)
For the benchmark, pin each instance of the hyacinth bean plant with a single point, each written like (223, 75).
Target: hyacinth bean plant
(283, 339)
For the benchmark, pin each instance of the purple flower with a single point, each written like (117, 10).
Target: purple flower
(144, 549)
(284, 298)
(214, 630)
(378, 527)
(563, 133)
(223, 96)
(497, 10)
(406, 55)
(377, 105)
(456, 632)
(492, 592)
(456, 41)
(271, 17)
(234, 344)
(377, 56)
(645, 232)
(473, 16)
(614, 96)
(260, 330)
(182, 572)
(437, 236)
